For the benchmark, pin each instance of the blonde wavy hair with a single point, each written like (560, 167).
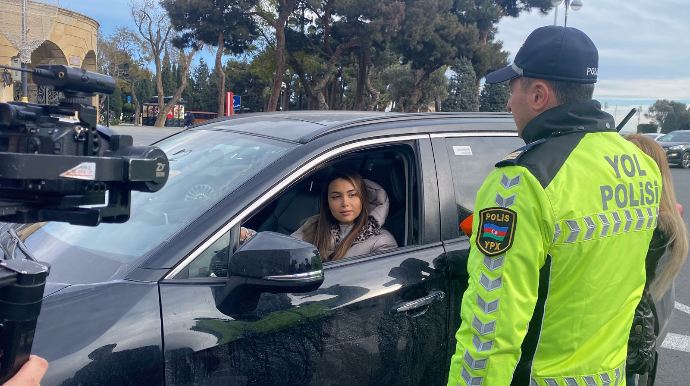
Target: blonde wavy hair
(670, 222)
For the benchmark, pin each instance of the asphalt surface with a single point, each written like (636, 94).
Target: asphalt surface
(674, 356)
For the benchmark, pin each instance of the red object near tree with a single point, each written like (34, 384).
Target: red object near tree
(229, 98)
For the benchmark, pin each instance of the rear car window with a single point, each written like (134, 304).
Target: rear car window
(471, 161)
(675, 137)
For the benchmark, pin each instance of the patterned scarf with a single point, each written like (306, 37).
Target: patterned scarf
(373, 228)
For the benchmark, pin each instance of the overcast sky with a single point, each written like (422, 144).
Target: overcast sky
(644, 45)
(644, 48)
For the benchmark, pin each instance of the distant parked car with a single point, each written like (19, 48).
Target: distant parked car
(654, 136)
(677, 146)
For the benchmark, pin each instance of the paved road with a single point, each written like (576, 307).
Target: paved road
(674, 357)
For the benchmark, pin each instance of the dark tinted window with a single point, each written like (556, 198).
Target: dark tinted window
(675, 137)
(471, 161)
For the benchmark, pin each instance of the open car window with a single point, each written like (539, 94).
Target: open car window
(390, 168)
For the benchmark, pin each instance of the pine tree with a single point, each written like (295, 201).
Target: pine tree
(670, 123)
(462, 88)
(176, 77)
(169, 83)
(188, 95)
(145, 90)
(203, 96)
(494, 97)
(116, 103)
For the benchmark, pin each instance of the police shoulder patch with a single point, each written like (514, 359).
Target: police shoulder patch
(496, 230)
(513, 157)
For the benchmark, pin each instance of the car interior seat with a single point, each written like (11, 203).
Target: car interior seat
(297, 205)
(389, 172)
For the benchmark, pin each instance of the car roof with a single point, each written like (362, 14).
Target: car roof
(304, 126)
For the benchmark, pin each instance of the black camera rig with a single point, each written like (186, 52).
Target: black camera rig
(54, 167)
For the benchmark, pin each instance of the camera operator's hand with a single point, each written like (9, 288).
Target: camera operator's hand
(30, 374)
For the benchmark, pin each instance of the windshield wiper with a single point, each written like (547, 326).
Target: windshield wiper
(18, 243)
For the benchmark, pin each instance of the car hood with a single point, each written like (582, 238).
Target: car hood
(101, 334)
(52, 288)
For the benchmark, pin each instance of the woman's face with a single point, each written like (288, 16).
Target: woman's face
(343, 201)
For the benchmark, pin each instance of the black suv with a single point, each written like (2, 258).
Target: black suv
(170, 297)
(677, 146)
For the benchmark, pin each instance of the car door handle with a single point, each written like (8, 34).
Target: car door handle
(421, 302)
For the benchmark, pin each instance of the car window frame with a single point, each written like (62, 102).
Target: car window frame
(233, 224)
(412, 189)
(447, 195)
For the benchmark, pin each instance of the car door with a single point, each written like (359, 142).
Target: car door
(468, 158)
(379, 319)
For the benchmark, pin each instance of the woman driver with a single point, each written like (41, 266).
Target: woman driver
(345, 226)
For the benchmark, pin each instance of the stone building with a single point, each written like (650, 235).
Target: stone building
(73, 42)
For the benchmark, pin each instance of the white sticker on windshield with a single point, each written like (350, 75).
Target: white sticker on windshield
(83, 171)
(462, 150)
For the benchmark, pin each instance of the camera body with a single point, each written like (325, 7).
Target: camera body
(57, 168)
(51, 137)
(52, 167)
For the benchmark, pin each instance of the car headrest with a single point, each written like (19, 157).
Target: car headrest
(397, 176)
(378, 201)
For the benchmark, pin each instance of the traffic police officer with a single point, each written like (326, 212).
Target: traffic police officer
(560, 232)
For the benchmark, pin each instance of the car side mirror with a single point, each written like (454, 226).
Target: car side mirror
(269, 262)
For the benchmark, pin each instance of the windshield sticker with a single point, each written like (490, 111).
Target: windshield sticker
(462, 150)
(83, 171)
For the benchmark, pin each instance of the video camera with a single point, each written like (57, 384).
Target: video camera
(55, 168)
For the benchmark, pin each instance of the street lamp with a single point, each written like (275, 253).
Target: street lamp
(555, 4)
(575, 5)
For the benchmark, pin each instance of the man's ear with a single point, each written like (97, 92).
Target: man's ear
(541, 96)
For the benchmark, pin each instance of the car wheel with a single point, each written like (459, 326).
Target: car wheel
(201, 191)
(685, 160)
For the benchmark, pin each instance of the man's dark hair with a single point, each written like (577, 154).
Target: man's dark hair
(565, 92)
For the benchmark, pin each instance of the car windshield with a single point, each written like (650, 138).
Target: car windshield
(204, 166)
(675, 137)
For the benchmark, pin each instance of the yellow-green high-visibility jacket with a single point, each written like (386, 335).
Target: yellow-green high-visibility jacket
(560, 234)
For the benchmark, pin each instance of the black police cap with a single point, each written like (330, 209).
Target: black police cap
(563, 54)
